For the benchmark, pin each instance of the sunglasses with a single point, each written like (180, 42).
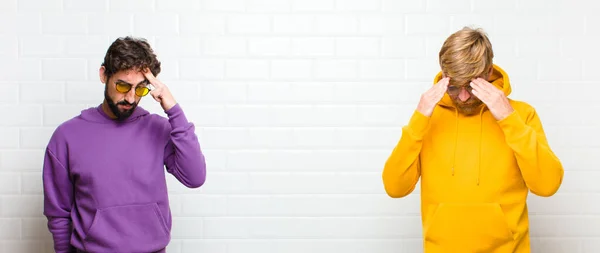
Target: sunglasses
(454, 90)
(141, 90)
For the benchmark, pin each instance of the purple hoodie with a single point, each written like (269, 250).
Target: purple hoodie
(104, 181)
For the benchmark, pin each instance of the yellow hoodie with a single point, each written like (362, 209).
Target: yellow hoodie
(475, 174)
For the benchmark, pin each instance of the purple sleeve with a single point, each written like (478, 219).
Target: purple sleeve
(58, 200)
(183, 156)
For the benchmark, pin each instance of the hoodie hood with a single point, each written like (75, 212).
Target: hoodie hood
(97, 115)
(499, 79)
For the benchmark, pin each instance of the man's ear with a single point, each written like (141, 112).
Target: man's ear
(102, 74)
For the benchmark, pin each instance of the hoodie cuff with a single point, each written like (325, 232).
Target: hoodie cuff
(513, 126)
(176, 117)
(418, 125)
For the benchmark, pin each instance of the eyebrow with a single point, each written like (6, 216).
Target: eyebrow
(145, 81)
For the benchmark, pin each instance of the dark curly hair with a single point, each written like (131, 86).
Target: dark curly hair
(128, 53)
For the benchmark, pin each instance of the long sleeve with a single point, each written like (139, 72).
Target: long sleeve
(183, 157)
(58, 200)
(402, 169)
(541, 169)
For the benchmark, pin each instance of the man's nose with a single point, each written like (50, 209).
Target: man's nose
(464, 94)
(130, 96)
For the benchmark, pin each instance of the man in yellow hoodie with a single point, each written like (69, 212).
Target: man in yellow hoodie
(477, 153)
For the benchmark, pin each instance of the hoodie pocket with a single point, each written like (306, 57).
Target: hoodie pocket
(470, 227)
(130, 228)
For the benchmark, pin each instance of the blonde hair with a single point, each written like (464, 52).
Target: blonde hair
(465, 55)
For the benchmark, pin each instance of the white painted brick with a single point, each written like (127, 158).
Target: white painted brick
(538, 46)
(178, 5)
(42, 46)
(422, 24)
(24, 206)
(175, 246)
(64, 24)
(35, 137)
(268, 93)
(558, 245)
(224, 46)
(10, 183)
(130, 6)
(10, 229)
(222, 92)
(249, 24)
(565, 226)
(166, 24)
(590, 245)
(39, 93)
(291, 69)
(20, 69)
(401, 46)
(169, 46)
(358, 5)
(422, 70)
(454, 7)
(268, 138)
(85, 92)
(187, 228)
(55, 115)
(114, 25)
(21, 116)
(16, 160)
(496, 6)
(35, 6)
(201, 206)
(22, 23)
(589, 70)
(312, 5)
(213, 115)
(11, 93)
(193, 69)
(336, 69)
(403, 6)
(382, 25)
(89, 45)
(225, 5)
(268, 5)
(293, 24)
(247, 69)
(482, 21)
(23, 246)
(247, 115)
(313, 46)
(9, 137)
(202, 24)
(31, 183)
(36, 228)
(86, 5)
(358, 47)
(269, 46)
(9, 6)
(382, 69)
(336, 25)
(64, 69)
(213, 246)
(9, 46)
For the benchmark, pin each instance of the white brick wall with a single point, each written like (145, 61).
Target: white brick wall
(297, 104)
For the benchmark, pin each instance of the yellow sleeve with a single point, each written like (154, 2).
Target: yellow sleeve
(541, 169)
(402, 169)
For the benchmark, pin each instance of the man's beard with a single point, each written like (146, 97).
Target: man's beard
(472, 106)
(115, 110)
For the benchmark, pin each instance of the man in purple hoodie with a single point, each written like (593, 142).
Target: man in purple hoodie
(104, 170)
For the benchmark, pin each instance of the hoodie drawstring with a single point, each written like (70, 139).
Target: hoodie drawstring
(480, 142)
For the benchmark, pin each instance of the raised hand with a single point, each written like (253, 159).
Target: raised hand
(161, 92)
(494, 98)
(431, 97)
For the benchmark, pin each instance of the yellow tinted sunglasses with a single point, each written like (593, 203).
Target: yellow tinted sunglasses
(141, 90)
